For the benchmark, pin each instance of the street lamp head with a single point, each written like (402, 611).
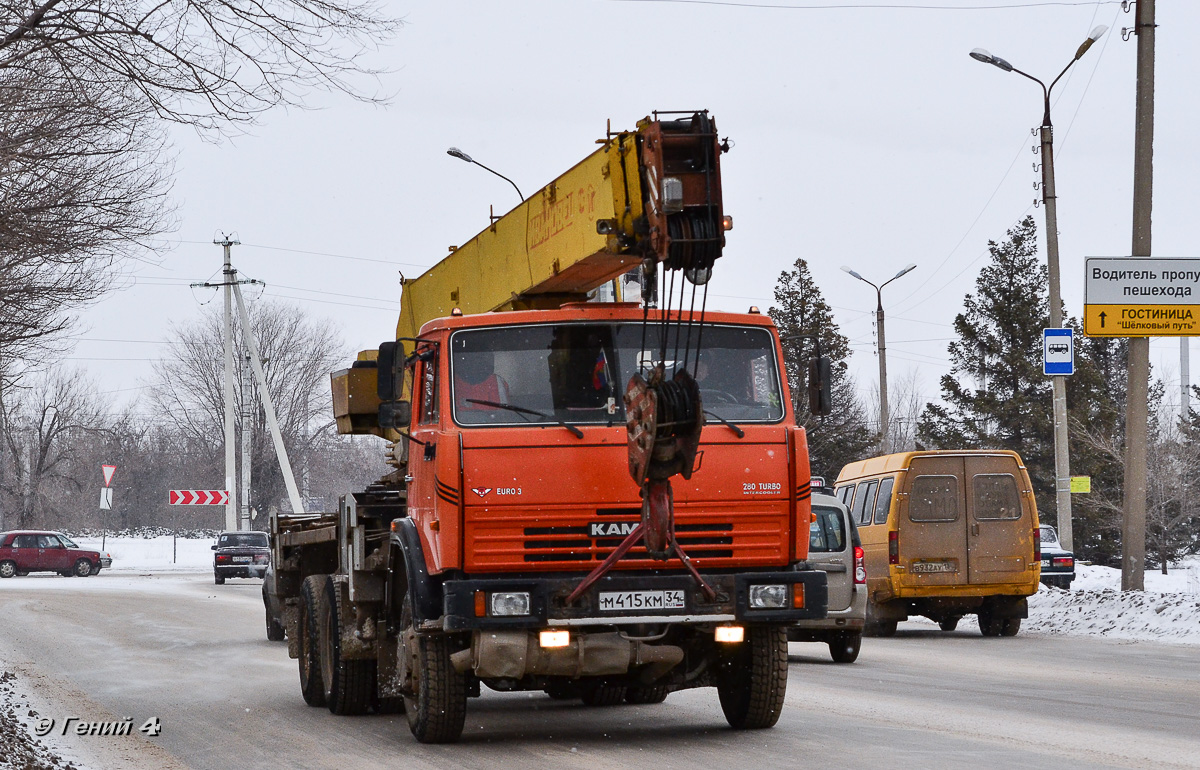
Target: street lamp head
(905, 270)
(1096, 34)
(846, 269)
(457, 153)
(980, 54)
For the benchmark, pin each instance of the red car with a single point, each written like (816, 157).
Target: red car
(22, 552)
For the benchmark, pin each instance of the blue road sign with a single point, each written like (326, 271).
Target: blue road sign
(1058, 351)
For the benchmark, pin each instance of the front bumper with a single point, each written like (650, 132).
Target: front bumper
(548, 594)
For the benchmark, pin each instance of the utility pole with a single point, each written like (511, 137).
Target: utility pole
(1185, 377)
(247, 434)
(1062, 457)
(229, 275)
(1133, 523)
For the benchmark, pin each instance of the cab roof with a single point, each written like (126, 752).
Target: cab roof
(576, 312)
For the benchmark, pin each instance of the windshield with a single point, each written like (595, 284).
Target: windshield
(577, 373)
(68, 542)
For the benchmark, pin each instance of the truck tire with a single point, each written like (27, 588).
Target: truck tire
(844, 646)
(437, 706)
(603, 694)
(753, 681)
(349, 683)
(989, 624)
(312, 593)
(275, 631)
(652, 694)
(1010, 627)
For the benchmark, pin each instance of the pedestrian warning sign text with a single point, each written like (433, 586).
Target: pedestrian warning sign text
(1142, 297)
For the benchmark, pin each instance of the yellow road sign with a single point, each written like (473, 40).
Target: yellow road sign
(1081, 484)
(1141, 320)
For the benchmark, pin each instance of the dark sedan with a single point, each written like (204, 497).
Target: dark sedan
(1058, 566)
(24, 552)
(240, 554)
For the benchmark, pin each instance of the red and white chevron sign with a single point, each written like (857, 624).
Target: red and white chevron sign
(198, 497)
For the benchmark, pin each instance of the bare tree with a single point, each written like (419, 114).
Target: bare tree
(906, 402)
(298, 352)
(205, 63)
(45, 425)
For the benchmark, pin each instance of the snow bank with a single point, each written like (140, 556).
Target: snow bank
(154, 554)
(1168, 610)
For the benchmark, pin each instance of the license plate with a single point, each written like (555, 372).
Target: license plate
(240, 559)
(934, 566)
(613, 601)
(1045, 563)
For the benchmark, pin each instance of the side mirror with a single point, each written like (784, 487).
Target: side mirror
(820, 386)
(395, 414)
(214, 548)
(386, 383)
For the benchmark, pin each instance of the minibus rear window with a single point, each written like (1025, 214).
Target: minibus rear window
(934, 498)
(996, 497)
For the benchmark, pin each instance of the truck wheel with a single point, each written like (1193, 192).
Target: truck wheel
(311, 597)
(275, 631)
(753, 681)
(437, 706)
(950, 623)
(844, 646)
(603, 694)
(349, 683)
(1010, 626)
(654, 694)
(83, 568)
(8, 568)
(219, 579)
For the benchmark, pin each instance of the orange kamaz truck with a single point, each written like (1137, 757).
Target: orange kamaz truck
(602, 500)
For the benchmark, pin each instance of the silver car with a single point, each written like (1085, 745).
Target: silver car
(834, 547)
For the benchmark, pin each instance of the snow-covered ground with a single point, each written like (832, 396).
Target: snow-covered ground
(154, 554)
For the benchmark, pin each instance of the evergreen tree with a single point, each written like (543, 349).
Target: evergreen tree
(999, 346)
(842, 436)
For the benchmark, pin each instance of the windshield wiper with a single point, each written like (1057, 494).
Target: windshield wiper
(522, 410)
(740, 433)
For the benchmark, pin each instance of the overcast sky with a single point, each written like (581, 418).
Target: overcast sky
(865, 136)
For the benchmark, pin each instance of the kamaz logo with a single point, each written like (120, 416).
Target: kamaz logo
(610, 528)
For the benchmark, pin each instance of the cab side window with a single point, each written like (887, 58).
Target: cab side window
(429, 394)
(25, 541)
(934, 498)
(864, 502)
(883, 503)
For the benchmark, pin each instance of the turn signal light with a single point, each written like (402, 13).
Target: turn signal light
(893, 547)
(554, 638)
(798, 596)
(730, 634)
(860, 566)
(480, 604)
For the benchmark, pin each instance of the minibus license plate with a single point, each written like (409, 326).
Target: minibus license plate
(614, 601)
(934, 566)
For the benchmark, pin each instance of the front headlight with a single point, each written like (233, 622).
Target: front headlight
(765, 597)
(509, 603)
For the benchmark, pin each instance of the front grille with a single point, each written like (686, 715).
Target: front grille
(499, 540)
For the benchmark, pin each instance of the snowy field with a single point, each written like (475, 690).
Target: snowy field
(1168, 610)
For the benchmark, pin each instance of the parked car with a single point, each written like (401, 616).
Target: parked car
(275, 627)
(240, 554)
(24, 551)
(105, 556)
(1058, 565)
(834, 547)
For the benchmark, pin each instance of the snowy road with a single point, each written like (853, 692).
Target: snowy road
(195, 655)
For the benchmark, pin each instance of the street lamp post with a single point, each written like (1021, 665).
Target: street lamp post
(457, 153)
(1062, 460)
(883, 402)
